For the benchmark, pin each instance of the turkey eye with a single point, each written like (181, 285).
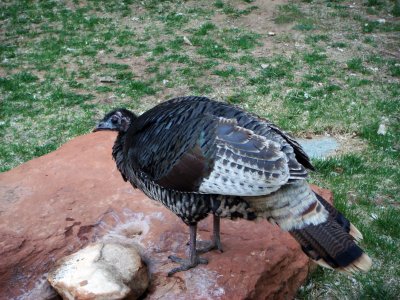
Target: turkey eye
(114, 119)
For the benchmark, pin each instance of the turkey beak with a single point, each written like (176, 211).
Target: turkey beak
(102, 126)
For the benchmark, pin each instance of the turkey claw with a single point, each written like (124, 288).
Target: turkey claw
(206, 246)
(186, 264)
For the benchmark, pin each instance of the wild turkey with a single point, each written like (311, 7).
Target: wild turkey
(198, 157)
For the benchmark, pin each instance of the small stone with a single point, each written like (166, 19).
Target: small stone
(271, 33)
(382, 130)
(100, 271)
(381, 21)
(187, 41)
(339, 170)
(107, 79)
(264, 66)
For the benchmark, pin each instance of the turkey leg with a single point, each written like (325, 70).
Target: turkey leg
(215, 244)
(193, 260)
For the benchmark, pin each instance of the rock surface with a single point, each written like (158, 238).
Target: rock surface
(55, 205)
(319, 147)
(100, 271)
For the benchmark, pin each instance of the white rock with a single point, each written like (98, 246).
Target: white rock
(271, 33)
(381, 21)
(382, 129)
(100, 271)
(107, 79)
(187, 41)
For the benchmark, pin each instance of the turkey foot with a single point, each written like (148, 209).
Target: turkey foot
(193, 260)
(186, 264)
(206, 246)
(215, 244)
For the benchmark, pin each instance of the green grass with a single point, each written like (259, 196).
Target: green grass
(330, 69)
(230, 10)
(356, 64)
(288, 13)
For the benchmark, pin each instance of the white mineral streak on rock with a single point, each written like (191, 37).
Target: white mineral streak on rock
(205, 284)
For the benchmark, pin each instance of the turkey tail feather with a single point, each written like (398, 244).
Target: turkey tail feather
(355, 233)
(339, 218)
(332, 243)
(324, 234)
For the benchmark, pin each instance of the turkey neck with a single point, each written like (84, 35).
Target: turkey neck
(117, 153)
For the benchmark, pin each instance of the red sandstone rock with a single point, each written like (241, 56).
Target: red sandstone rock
(56, 204)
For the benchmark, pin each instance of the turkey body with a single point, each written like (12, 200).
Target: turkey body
(198, 156)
